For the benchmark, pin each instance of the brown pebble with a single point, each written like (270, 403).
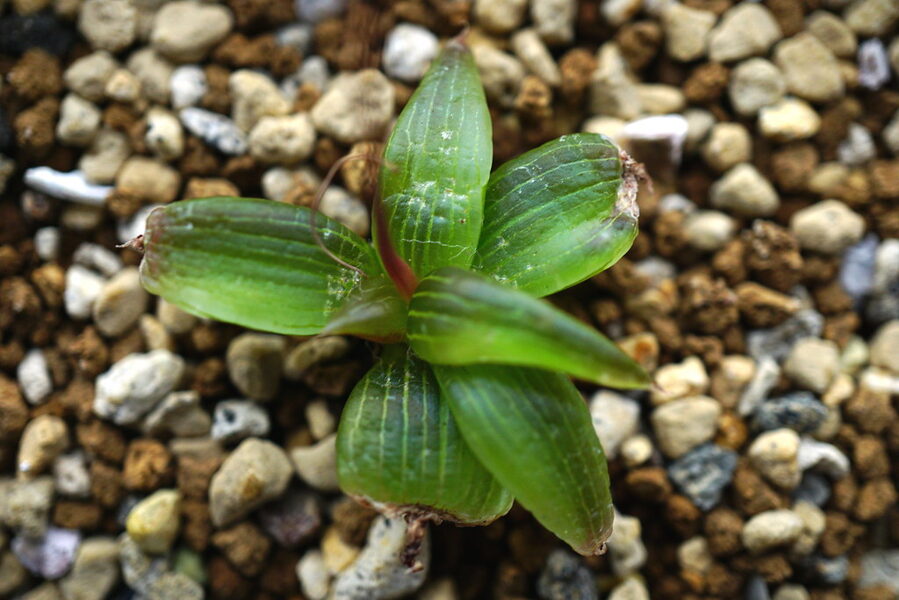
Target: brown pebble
(37, 74)
(706, 83)
(352, 520)
(74, 514)
(101, 440)
(77, 400)
(874, 499)
(245, 546)
(707, 306)
(210, 378)
(106, 484)
(751, 494)
(240, 52)
(763, 307)
(217, 97)
(195, 473)
(791, 165)
(261, 14)
(198, 159)
(128, 343)
(123, 204)
(639, 42)
(649, 484)
(773, 568)
(196, 525)
(89, 352)
(534, 100)
(198, 187)
(840, 534)
(13, 411)
(874, 592)
(885, 179)
(723, 582)
(576, 66)
(225, 583)
(684, 516)
(148, 465)
(870, 410)
(772, 255)
(870, 458)
(279, 577)
(722, 529)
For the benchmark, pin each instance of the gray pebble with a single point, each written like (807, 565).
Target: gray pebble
(293, 519)
(799, 411)
(71, 476)
(858, 148)
(565, 577)
(408, 51)
(315, 11)
(235, 420)
(135, 384)
(857, 267)
(822, 457)
(139, 570)
(216, 130)
(627, 552)
(777, 342)
(813, 488)
(873, 64)
(880, 567)
(822, 570)
(34, 377)
(756, 589)
(296, 35)
(703, 473)
(179, 415)
(49, 556)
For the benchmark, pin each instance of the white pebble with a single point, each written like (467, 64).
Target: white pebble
(96, 257)
(408, 51)
(216, 130)
(234, 420)
(188, 86)
(71, 186)
(873, 64)
(34, 376)
(135, 384)
(164, 136)
(46, 243)
(82, 288)
(341, 206)
(79, 121)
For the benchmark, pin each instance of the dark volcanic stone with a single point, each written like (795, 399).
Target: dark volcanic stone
(43, 30)
(565, 577)
(799, 411)
(702, 473)
(813, 488)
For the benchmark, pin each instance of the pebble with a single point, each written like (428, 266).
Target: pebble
(26, 505)
(321, 422)
(813, 363)
(108, 24)
(777, 342)
(97, 258)
(128, 229)
(858, 148)
(120, 303)
(636, 450)
(164, 136)
(534, 55)
(799, 411)
(821, 457)
(174, 585)
(728, 145)
(95, 571)
(378, 572)
(282, 140)
(829, 227)
(693, 555)
(775, 455)
(253, 96)
(148, 179)
(154, 334)
(886, 266)
(105, 156)
(681, 425)
(745, 192)
(154, 522)
(315, 11)
(34, 377)
(71, 476)
(833, 32)
(627, 552)
(45, 437)
(342, 206)
(315, 582)
(135, 384)
(81, 217)
(890, 134)
(686, 31)
(873, 64)
(79, 121)
(703, 473)
(679, 380)
(139, 570)
(813, 524)
(770, 529)
(554, 20)
(500, 16)
(256, 472)
(292, 520)
(791, 591)
(72, 186)
(660, 99)
(12, 574)
(880, 567)
(185, 31)
(823, 570)
(235, 420)
(317, 464)
(175, 320)
(312, 352)
(254, 364)
(408, 51)
(709, 230)
(179, 415)
(564, 576)
(699, 124)
(296, 35)
(813, 488)
(501, 74)
(50, 555)
(123, 86)
(153, 72)
(356, 107)
(884, 347)
(746, 29)
(871, 17)
(788, 119)
(87, 76)
(810, 69)
(615, 418)
(217, 130)
(188, 86)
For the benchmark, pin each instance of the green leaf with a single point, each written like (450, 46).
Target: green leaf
(399, 449)
(373, 311)
(558, 214)
(532, 430)
(458, 317)
(437, 162)
(252, 262)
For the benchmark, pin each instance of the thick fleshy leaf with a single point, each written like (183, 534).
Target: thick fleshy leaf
(532, 430)
(458, 317)
(373, 311)
(252, 262)
(437, 162)
(399, 449)
(558, 214)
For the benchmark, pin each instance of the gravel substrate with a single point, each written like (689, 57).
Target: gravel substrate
(147, 453)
